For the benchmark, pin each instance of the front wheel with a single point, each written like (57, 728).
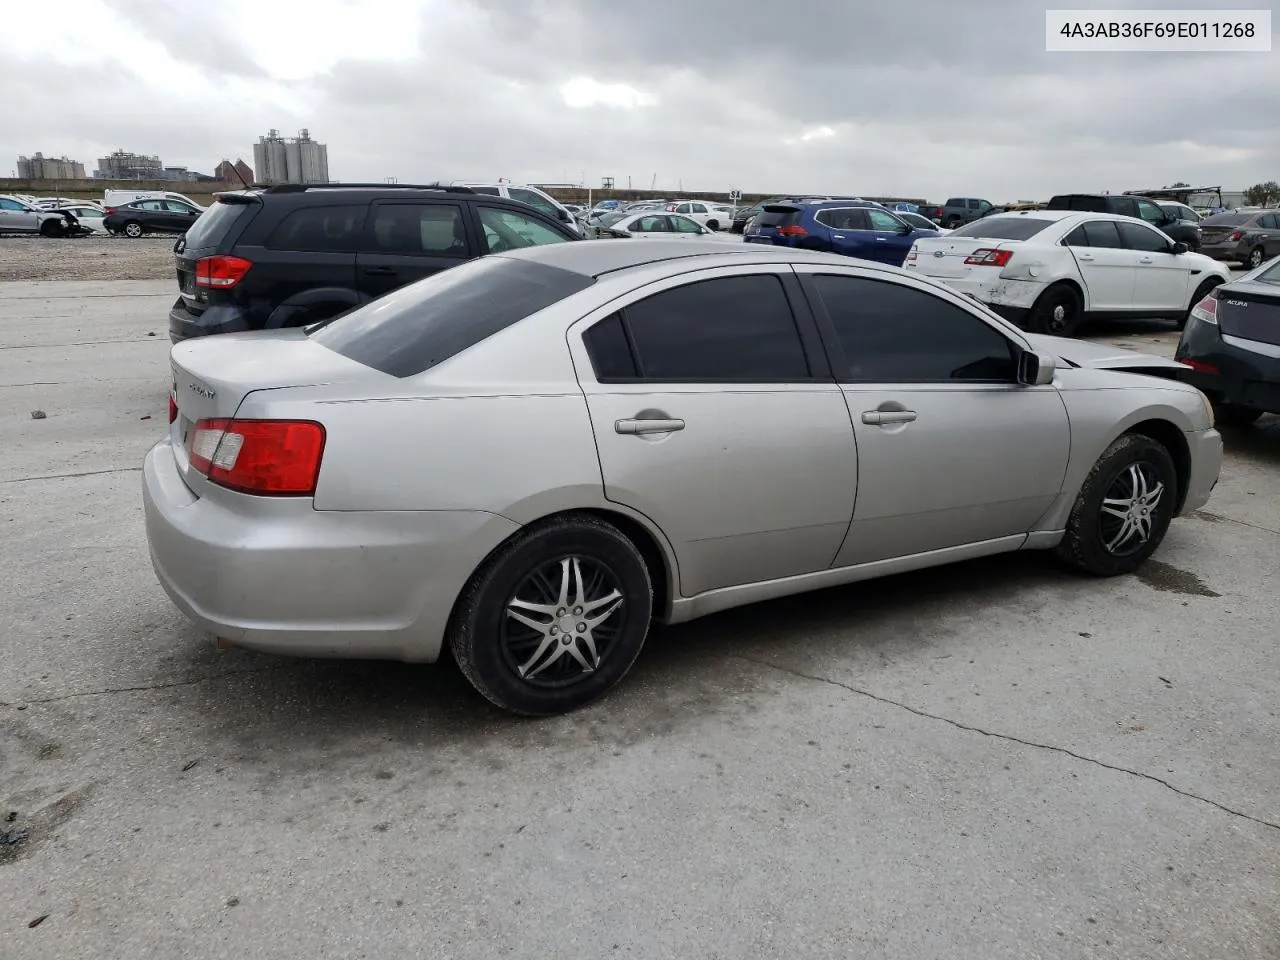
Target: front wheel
(1256, 258)
(133, 230)
(52, 228)
(1056, 312)
(554, 618)
(1236, 416)
(713, 224)
(1123, 510)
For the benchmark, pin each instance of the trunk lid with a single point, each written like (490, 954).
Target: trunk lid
(212, 375)
(943, 257)
(1250, 310)
(770, 218)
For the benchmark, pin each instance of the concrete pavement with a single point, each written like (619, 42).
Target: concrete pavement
(992, 760)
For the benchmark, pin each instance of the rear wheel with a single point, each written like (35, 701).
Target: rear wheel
(1256, 258)
(554, 618)
(1235, 415)
(713, 224)
(133, 229)
(1057, 312)
(1202, 291)
(1123, 510)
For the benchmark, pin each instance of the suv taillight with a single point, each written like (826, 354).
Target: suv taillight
(264, 457)
(988, 257)
(221, 272)
(1236, 235)
(792, 231)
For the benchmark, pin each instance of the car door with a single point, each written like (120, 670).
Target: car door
(683, 227)
(715, 416)
(1106, 265)
(1161, 278)
(892, 242)
(181, 215)
(951, 449)
(848, 231)
(406, 240)
(651, 225)
(14, 217)
(1270, 224)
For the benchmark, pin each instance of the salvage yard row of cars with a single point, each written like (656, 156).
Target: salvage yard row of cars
(410, 420)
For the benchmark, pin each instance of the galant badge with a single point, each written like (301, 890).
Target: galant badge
(201, 390)
(938, 253)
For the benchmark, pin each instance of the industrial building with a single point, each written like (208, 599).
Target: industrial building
(40, 167)
(228, 172)
(123, 165)
(291, 160)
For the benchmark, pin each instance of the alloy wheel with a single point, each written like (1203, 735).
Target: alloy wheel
(1129, 508)
(1255, 258)
(562, 621)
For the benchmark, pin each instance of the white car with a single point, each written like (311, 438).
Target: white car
(526, 194)
(706, 214)
(19, 216)
(919, 221)
(652, 224)
(1047, 270)
(88, 215)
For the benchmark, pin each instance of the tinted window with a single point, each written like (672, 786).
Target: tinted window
(731, 328)
(844, 218)
(919, 222)
(216, 223)
(1003, 228)
(1271, 274)
(894, 334)
(319, 229)
(1103, 233)
(683, 225)
(654, 224)
(416, 327)
(1269, 221)
(153, 205)
(777, 216)
(487, 191)
(1138, 237)
(510, 230)
(1125, 206)
(424, 229)
(1151, 213)
(880, 220)
(6, 204)
(955, 202)
(610, 351)
(535, 200)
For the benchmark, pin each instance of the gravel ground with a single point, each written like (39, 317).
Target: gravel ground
(99, 257)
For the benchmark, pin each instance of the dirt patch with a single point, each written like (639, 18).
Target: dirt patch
(1168, 579)
(86, 258)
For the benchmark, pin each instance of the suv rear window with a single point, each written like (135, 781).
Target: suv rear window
(1003, 228)
(777, 215)
(1085, 204)
(213, 226)
(424, 324)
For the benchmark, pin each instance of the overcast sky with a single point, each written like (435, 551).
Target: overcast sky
(926, 98)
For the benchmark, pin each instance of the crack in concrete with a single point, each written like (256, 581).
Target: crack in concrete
(1011, 739)
(68, 476)
(1219, 517)
(83, 343)
(142, 688)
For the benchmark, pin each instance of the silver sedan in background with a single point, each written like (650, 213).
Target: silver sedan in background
(532, 456)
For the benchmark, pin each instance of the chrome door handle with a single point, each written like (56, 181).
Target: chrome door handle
(881, 417)
(880, 240)
(1145, 260)
(640, 427)
(1083, 257)
(837, 236)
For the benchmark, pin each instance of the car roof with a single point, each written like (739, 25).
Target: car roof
(594, 258)
(1053, 215)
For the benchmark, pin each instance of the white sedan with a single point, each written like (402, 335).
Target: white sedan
(1048, 270)
(666, 226)
(708, 215)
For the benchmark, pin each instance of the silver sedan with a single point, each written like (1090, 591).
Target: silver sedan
(532, 456)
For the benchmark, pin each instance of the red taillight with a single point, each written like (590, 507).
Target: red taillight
(173, 408)
(1206, 311)
(988, 258)
(792, 231)
(1202, 367)
(911, 254)
(107, 212)
(1237, 235)
(265, 457)
(221, 272)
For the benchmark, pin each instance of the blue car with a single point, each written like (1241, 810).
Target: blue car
(855, 228)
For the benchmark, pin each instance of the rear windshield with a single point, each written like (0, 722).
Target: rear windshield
(1078, 202)
(777, 215)
(416, 327)
(1271, 274)
(1227, 219)
(1003, 228)
(212, 226)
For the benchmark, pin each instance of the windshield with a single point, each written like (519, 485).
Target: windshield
(424, 324)
(1271, 274)
(1002, 228)
(609, 219)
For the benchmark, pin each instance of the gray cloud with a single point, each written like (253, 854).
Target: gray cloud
(927, 98)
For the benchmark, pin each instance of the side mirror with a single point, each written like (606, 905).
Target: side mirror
(1034, 369)
(1180, 247)
(564, 215)
(905, 229)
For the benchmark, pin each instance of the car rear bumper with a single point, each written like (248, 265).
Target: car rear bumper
(1229, 369)
(217, 318)
(276, 575)
(1227, 252)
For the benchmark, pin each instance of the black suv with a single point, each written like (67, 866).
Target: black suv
(293, 254)
(1126, 205)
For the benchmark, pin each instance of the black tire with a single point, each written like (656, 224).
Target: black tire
(952, 223)
(493, 649)
(1234, 415)
(1090, 544)
(133, 230)
(713, 224)
(52, 228)
(1257, 257)
(1057, 312)
(1202, 291)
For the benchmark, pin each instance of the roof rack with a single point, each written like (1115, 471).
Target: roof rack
(304, 187)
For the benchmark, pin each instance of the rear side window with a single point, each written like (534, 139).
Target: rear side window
(419, 326)
(535, 200)
(511, 230)
(1096, 233)
(418, 229)
(1003, 228)
(217, 223)
(319, 229)
(728, 329)
(1082, 203)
